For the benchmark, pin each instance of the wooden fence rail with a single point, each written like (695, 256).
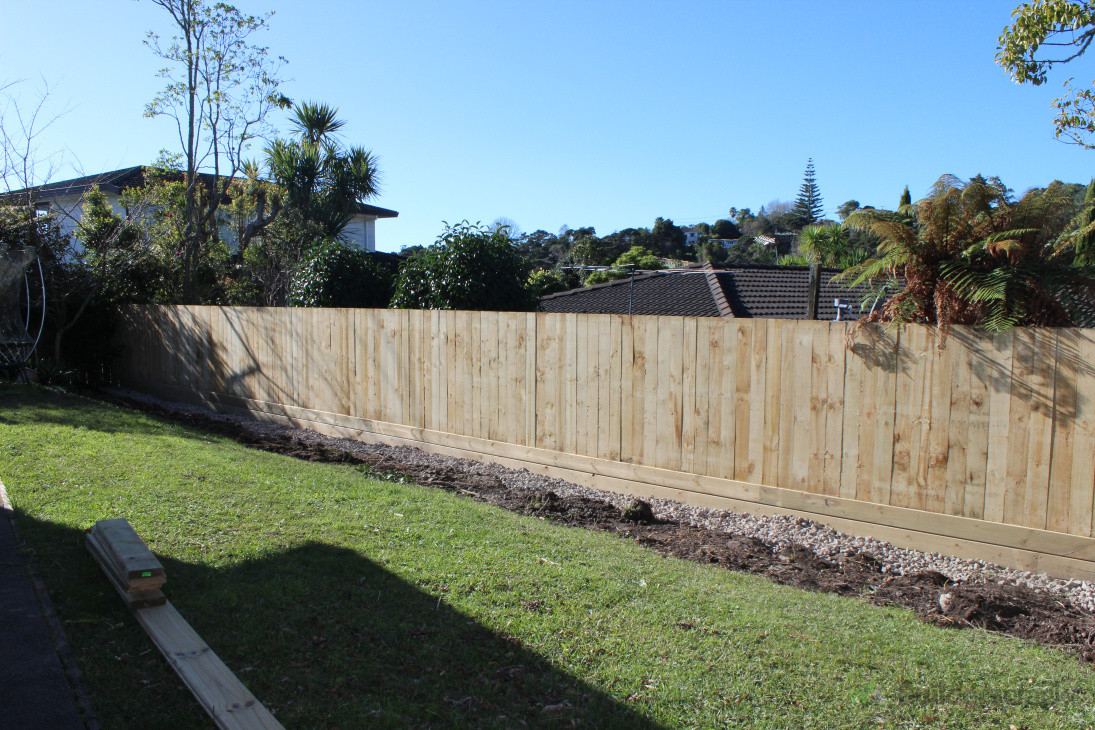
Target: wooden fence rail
(983, 448)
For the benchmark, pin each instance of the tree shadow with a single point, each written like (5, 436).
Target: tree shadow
(1040, 366)
(322, 635)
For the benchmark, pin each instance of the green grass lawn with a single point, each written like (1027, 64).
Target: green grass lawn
(342, 601)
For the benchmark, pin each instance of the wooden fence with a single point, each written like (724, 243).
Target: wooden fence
(983, 448)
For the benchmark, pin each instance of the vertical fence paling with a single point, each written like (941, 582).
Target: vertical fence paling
(998, 428)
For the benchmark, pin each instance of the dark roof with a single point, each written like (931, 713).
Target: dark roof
(777, 292)
(687, 295)
(118, 180)
(114, 181)
(375, 210)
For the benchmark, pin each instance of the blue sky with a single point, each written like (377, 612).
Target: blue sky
(591, 113)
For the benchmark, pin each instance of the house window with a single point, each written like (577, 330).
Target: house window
(41, 209)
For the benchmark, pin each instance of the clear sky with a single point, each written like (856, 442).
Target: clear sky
(604, 114)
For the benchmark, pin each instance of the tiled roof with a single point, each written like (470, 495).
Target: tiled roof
(673, 294)
(778, 292)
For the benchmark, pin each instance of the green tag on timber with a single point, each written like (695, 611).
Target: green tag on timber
(146, 574)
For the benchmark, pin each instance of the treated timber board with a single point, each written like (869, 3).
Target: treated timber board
(953, 441)
(1082, 490)
(630, 374)
(671, 387)
(1065, 401)
(649, 393)
(133, 599)
(742, 332)
(758, 394)
(531, 386)
(1018, 429)
(803, 442)
(688, 410)
(937, 428)
(835, 356)
(856, 397)
(612, 389)
(999, 378)
(773, 388)
(127, 549)
(568, 395)
(217, 689)
(701, 416)
(1043, 407)
(725, 446)
(1078, 549)
(547, 374)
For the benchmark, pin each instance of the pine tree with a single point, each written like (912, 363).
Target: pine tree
(906, 199)
(808, 204)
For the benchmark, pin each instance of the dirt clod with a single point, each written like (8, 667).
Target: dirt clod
(639, 512)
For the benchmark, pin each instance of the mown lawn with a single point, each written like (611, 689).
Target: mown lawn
(343, 601)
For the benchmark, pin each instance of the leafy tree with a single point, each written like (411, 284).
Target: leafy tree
(668, 239)
(588, 251)
(641, 258)
(335, 275)
(157, 211)
(634, 259)
(220, 89)
(409, 251)
(711, 250)
(126, 271)
(540, 249)
(1048, 33)
(747, 250)
(847, 209)
(83, 280)
(808, 210)
(543, 282)
(469, 267)
(619, 242)
(725, 229)
(971, 254)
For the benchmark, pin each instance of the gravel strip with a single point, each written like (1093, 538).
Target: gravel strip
(778, 531)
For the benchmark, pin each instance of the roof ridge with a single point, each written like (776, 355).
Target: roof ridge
(717, 291)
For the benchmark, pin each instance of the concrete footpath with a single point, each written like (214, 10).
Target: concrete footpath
(34, 689)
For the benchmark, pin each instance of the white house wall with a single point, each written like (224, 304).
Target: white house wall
(361, 232)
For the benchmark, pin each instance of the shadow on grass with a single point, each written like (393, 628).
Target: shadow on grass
(322, 635)
(21, 403)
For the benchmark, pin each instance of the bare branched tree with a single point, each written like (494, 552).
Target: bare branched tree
(23, 122)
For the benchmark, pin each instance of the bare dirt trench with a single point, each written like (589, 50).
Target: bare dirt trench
(1006, 609)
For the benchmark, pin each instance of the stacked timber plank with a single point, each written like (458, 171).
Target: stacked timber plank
(128, 563)
(138, 576)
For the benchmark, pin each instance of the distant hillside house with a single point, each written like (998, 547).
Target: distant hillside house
(728, 290)
(64, 198)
